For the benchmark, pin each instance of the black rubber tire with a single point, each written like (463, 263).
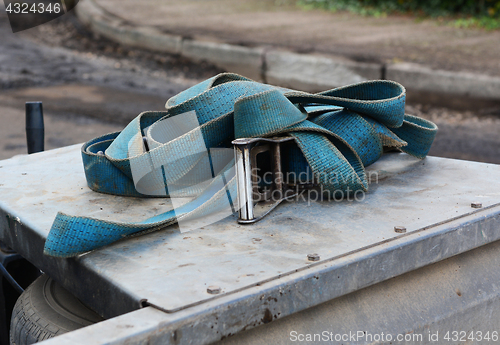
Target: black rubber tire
(45, 310)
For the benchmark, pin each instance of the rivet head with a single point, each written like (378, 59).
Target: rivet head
(100, 153)
(313, 257)
(400, 229)
(476, 205)
(213, 290)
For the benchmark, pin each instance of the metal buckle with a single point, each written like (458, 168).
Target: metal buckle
(246, 151)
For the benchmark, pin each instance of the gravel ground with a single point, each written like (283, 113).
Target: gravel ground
(59, 131)
(133, 69)
(463, 134)
(88, 86)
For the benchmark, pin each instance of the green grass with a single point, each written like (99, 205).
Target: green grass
(483, 14)
(487, 23)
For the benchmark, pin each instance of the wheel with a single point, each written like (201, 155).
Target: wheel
(45, 310)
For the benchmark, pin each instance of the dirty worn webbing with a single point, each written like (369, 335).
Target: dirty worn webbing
(338, 132)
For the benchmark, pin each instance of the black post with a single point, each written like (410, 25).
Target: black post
(34, 127)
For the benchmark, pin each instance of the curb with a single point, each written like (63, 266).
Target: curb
(242, 60)
(116, 29)
(423, 78)
(315, 73)
(305, 72)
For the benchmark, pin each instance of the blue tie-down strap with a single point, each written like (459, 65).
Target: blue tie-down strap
(337, 133)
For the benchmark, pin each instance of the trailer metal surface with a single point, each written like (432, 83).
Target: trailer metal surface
(155, 287)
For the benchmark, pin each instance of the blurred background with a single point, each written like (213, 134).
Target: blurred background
(95, 73)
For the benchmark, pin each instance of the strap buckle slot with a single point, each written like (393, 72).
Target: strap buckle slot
(252, 183)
